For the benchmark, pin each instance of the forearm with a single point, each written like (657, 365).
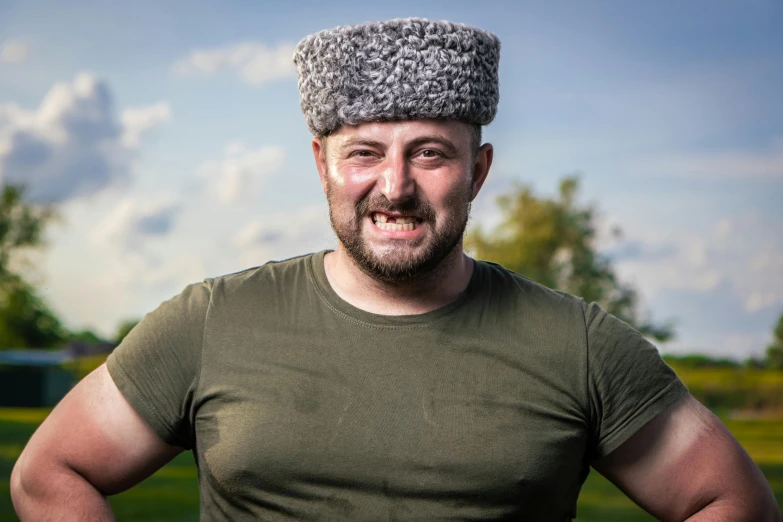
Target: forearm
(57, 493)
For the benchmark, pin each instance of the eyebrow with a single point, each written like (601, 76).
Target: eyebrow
(421, 140)
(350, 142)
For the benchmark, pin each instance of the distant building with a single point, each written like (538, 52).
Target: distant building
(40, 378)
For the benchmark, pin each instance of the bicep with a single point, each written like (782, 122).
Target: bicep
(95, 432)
(681, 461)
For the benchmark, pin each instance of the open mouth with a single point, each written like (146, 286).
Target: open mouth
(398, 223)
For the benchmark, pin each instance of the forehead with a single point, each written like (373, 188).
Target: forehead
(402, 132)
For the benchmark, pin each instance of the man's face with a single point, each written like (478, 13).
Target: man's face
(399, 193)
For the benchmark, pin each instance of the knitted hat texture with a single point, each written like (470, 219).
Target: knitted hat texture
(402, 69)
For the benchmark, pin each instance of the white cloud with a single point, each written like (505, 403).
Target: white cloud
(257, 233)
(136, 277)
(768, 260)
(725, 164)
(741, 252)
(72, 145)
(138, 120)
(139, 259)
(707, 320)
(285, 234)
(14, 52)
(68, 147)
(121, 287)
(723, 228)
(240, 173)
(124, 230)
(696, 253)
(760, 300)
(255, 63)
(118, 251)
(721, 283)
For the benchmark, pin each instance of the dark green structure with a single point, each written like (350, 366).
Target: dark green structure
(33, 379)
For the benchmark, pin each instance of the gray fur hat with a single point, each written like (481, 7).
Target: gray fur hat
(407, 68)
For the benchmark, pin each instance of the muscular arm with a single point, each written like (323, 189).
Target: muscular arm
(685, 465)
(93, 444)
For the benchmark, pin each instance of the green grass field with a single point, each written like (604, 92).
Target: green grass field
(172, 493)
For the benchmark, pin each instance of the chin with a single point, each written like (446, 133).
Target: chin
(400, 264)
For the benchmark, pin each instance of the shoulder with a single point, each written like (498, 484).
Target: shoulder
(271, 288)
(548, 323)
(531, 299)
(270, 274)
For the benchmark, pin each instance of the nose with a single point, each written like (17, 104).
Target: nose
(397, 184)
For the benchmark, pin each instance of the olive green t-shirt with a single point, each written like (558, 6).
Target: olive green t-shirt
(300, 406)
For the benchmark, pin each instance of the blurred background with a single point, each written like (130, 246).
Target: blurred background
(638, 163)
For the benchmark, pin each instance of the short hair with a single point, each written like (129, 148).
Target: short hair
(475, 139)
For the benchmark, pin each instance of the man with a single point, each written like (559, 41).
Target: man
(395, 377)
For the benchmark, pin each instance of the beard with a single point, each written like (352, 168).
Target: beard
(402, 261)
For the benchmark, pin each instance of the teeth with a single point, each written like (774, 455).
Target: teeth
(395, 226)
(400, 223)
(383, 218)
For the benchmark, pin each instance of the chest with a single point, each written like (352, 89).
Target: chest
(397, 413)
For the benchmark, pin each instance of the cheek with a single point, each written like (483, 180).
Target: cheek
(448, 197)
(359, 177)
(350, 184)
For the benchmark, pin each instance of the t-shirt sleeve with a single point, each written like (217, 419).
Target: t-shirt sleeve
(157, 366)
(629, 383)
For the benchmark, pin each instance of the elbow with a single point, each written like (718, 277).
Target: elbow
(769, 513)
(18, 485)
(761, 507)
(756, 505)
(773, 512)
(16, 481)
(768, 509)
(31, 482)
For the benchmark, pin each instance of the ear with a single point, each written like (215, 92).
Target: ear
(319, 154)
(481, 167)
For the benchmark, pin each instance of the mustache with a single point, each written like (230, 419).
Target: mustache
(412, 206)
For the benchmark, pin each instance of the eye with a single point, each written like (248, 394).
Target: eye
(430, 153)
(362, 153)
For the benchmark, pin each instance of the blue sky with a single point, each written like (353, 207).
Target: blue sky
(170, 137)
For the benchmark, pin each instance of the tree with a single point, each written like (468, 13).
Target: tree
(25, 320)
(21, 226)
(86, 336)
(124, 329)
(774, 355)
(553, 242)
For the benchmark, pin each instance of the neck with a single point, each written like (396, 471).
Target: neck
(430, 292)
